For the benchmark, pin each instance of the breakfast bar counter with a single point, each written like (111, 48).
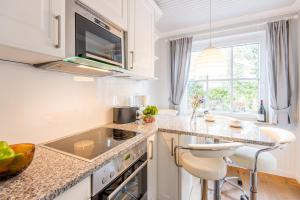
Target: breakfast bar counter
(248, 133)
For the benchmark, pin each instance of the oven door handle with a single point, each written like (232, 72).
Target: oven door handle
(127, 180)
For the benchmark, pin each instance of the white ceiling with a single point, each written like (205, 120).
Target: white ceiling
(180, 14)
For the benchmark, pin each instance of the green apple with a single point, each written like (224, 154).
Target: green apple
(3, 145)
(6, 156)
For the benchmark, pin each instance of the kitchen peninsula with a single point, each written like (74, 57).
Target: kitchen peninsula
(62, 172)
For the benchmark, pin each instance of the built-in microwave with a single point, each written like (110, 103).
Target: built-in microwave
(91, 36)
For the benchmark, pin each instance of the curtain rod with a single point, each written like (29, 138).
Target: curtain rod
(282, 17)
(236, 26)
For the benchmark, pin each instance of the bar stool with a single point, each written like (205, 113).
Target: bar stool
(206, 161)
(257, 160)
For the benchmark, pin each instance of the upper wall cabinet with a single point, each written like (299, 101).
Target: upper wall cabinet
(141, 37)
(33, 30)
(114, 10)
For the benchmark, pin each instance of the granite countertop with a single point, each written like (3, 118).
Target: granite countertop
(51, 173)
(249, 133)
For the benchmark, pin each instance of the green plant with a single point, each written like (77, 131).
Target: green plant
(218, 98)
(218, 93)
(195, 88)
(150, 111)
(246, 94)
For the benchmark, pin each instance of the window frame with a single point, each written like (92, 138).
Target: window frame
(229, 42)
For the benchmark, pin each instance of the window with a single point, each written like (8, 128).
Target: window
(231, 87)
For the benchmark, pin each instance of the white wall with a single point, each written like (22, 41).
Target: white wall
(297, 144)
(298, 132)
(161, 88)
(38, 105)
(287, 157)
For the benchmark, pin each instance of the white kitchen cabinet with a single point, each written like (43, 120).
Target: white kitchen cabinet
(32, 31)
(188, 185)
(168, 172)
(113, 10)
(80, 191)
(174, 182)
(141, 37)
(152, 168)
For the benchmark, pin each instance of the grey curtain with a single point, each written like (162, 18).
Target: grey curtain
(180, 65)
(283, 64)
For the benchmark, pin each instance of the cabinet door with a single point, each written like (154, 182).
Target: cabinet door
(152, 168)
(168, 172)
(114, 10)
(188, 185)
(33, 25)
(141, 38)
(81, 191)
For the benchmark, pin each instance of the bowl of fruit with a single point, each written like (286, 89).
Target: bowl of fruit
(14, 158)
(149, 114)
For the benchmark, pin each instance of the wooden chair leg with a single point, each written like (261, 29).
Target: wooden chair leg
(204, 189)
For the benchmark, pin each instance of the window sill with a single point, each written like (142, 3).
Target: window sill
(251, 117)
(242, 116)
(262, 123)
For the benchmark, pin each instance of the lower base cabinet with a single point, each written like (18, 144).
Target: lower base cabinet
(174, 183)
(188, 185)
(168, 172)
(152, 168)
(80, 191)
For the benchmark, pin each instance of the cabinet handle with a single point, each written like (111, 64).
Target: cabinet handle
(58, 44)
(150, 150)
(172, 146)
(132, 59)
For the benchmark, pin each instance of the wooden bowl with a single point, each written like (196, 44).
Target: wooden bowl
(24, 155)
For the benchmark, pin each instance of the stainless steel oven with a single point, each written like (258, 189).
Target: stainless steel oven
(89, 35)
(124, 178)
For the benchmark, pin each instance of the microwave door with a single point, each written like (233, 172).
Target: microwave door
(95, 42)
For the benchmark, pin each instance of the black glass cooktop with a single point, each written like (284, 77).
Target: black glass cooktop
(89, 145)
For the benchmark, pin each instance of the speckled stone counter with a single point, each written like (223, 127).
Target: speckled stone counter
(51, 173)
(249, 132)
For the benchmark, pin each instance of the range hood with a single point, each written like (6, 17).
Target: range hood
(83, 66)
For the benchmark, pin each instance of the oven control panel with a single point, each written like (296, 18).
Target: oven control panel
(107, 173)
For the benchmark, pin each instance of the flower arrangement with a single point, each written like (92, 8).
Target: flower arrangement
(149, 114)
(197, 101)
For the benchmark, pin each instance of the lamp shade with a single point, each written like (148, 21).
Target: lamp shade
(211, 57)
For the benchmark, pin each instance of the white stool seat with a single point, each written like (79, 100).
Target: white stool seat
(245, 157)
(204, 168)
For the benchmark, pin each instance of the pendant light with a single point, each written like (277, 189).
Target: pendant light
(211, 56)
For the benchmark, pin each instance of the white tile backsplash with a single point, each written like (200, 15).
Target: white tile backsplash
(38, 105)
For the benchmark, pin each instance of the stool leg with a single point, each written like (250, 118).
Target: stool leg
(217, 191)
(204, 189)
(253, 185)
